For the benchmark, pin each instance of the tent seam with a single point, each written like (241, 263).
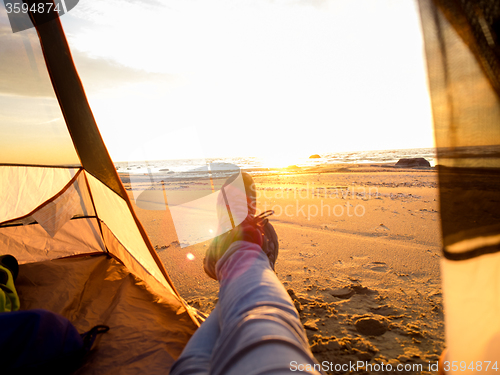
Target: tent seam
(40, 165)
(35, 222)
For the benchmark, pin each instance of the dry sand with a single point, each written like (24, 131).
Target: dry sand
(359, 255)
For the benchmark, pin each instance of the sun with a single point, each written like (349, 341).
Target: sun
(280, 160)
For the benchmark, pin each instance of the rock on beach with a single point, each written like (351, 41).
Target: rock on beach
(412, 162)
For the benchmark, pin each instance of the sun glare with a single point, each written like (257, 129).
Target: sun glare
(304, 79)
(280, 160)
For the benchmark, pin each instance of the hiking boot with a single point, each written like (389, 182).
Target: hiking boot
(255, 229)
(270, 244)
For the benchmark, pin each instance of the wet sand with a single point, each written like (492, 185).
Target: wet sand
(359, 256)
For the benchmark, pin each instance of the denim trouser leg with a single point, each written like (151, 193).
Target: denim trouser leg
(195, 358)
(260, 330)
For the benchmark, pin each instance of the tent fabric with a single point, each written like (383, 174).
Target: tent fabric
(477, 23)
(83, 216)
(74, 200)
(31, 243)
(119, 251)
(147, 331)
(471, 303)
(61, 211)
(88, 142)
(114, 212)
(462, 43)
(466, 111)
(26, 188)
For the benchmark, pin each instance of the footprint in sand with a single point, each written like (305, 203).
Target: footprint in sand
(385, 310)
(371, 326)
(381, 228)
(343, 293)
(348, 291)
(376, 266)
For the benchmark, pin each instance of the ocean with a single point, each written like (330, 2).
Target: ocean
(185, 168)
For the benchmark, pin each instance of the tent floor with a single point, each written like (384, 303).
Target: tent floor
(147, 332)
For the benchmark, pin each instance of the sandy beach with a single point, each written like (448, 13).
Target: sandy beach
(359, 256)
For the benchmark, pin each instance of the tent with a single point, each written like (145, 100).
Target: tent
(66, 216)
(462, 42)
(68, 220)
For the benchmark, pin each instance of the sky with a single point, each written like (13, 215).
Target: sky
(190, 79)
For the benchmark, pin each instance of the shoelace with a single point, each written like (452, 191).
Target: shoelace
(262, 218)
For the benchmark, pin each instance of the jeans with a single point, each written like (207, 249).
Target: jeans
(254, 329)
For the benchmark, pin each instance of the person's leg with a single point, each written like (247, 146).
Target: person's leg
(195, 358)
(260, 328)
